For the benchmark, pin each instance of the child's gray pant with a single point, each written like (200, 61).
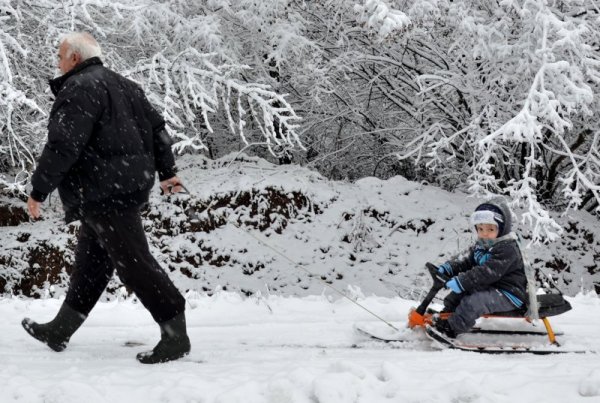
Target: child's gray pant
(472, 306)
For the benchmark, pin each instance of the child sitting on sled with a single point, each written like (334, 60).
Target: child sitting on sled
(490, 279)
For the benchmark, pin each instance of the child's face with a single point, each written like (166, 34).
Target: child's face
(487, 231)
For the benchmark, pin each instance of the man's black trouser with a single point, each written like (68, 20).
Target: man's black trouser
(117, 240)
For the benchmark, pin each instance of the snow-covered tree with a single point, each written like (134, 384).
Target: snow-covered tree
(490, 97)
(526, 72)
(20, 114)
(173, 49)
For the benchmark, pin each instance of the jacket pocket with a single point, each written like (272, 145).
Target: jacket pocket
(118, 175)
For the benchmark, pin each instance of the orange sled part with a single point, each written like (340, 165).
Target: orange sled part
(415, 319)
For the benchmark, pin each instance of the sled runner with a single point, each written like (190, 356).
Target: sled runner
(422, 317)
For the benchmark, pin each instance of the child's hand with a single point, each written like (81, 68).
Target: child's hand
(454, 285)
(445, 269)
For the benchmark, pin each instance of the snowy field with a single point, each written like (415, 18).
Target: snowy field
(284, 350)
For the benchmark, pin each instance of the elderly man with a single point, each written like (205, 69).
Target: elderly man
(105, 143)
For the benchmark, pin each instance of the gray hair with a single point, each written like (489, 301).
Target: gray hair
(82, 43)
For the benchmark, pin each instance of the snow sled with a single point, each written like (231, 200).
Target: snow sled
(422, 318)
(548, 305)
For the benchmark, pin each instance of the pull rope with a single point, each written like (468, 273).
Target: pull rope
(295, 264)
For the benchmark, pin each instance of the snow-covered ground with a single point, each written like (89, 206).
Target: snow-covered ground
(284, 350)
(374, 234)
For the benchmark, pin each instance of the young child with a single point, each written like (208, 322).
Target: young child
(490, 279)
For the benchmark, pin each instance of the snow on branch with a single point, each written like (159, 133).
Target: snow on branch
(513, 109)
(16, 108)
(192, 85)
(380, 18)
(558, 91)
(151, 41)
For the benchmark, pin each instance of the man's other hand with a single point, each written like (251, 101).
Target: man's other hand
(171, 186)
(33, 207)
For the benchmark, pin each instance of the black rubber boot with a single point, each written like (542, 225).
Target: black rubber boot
(58, 331)
(442, 326)
(174, 342)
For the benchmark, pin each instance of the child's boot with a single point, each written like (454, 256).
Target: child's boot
(442, 326)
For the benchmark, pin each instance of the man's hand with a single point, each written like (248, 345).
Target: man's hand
(171, 186)
(33, 206)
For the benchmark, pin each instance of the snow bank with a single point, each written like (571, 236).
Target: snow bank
(274, 349)
(267, 225)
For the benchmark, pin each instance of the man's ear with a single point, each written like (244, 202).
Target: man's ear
(76, 57)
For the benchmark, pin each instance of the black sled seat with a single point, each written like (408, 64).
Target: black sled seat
(548, 305)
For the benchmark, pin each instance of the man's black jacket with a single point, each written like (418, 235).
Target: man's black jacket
(105, 142)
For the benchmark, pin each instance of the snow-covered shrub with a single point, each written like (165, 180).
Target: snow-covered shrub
(253, 225)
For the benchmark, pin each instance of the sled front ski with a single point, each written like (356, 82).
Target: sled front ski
(388, 335)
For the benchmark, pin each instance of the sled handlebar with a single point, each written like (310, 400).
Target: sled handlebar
(439, 280)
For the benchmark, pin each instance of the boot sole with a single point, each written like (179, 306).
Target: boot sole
(149, 359)
(26, 323)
